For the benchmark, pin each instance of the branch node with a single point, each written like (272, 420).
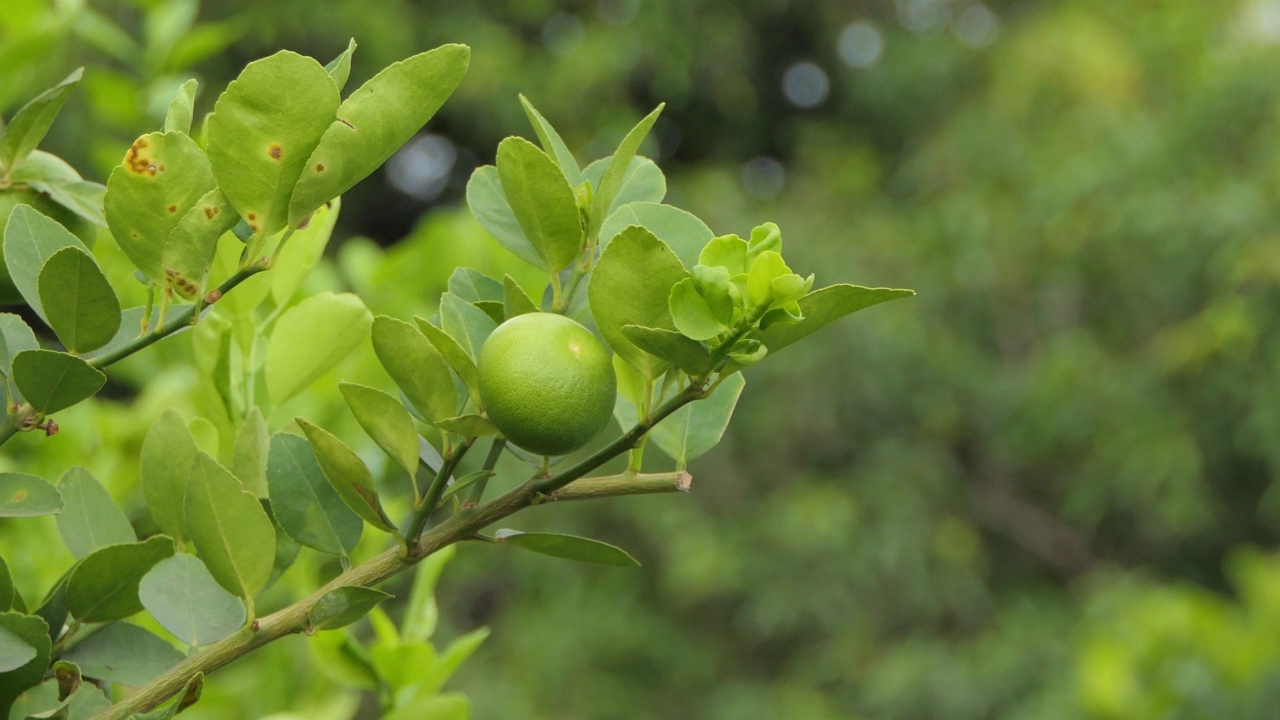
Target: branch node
(684, 481)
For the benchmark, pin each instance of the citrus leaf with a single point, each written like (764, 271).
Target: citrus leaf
(183, 597)
(30, 124)
(300, 255)
(568, 547)
(417, 368)
(231, 531)
(14, 651)
(342, 606)
(189, 696)
(468, 425)
(386, 421)
(682, 231)
(82, 197)
(693, 315)
(104, 585)
(689, 355)
(611, 182)
(643, 182)
(177, 117)
(16, 336)
(552, 143)
(445, 706)
(474, 286)
(262, 131)
(52, 381)
(466, 481)
(162, 177)
(249, 453)
(33, 631)
(348, 475)
(515, 301)
(630, 286)
(8, 595)
(310, 338)
(90, 519)
(466, 323)
(375, 121)
(168, 454)
(488, 204)
(542, 201)
(823, 307)
(124, 653)
(30, 238)
(27, 496)
(339, 68)
(188, 252)
(457, 358)
(81, 306)
(697, 427)
(305, 504)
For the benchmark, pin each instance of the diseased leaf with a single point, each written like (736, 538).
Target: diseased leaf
(342, 606)
(262, 131)
(90, 519)
(232, 533)
(183, 597)
(375, 121)
(104, 584)
(310, 338)
(630, 286)
(348, 475)
(568, 547)
(53, 381)
(81, 307)
(27, 496)
(305, 505)
(188, 252)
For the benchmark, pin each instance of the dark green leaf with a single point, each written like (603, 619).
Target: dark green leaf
(7, 592)
(305, 504)
(183, 597)
(124, 653)
(90, 519)
(568, 547)
(104, 585)
(52, 381)
(348, 475)
(232, 533)
(79, 303)
(30, 238)
(822, 307)
(35, 633)
(14, 651)
(342, 606)
(542, 201)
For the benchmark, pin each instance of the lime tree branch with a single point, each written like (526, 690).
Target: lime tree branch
(462, 526)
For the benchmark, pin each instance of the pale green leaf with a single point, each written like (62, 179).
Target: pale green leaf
(310, 338)
(30, 124)
(104, 584)
(24, 495)
(188, 252)
(168, 454)
(303, 251)
(231, 531)
(348, 475)
(183, 597)
(823, 307)
(90, 519)
(552, 144)
(542, 201)
(339, 68)
(177, 118)
(386, 421)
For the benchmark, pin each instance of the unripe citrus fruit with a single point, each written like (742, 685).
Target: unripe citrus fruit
(546, 383)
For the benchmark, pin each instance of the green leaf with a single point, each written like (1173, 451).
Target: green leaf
(453, 353)
(189, 696)
(447, 706)
(767, 267)
(468, 425)
(728, 252)
(249, 453)
(90, 519)
(168, 454)
(310, 338)
(474, 286)
(611, 182)
(416, 366)
(30, 124)
(35, 633)
(401, 665)
(348, 475)
(764, 238)
(689, 355)
(30, 238)
(466, 323)
(305, 504)
(124, 653)
(643, 182)
(340, 657)
(542, 201)
(386, 421)
(693, 316)
(466, 481)
(568, 547)
(453, 657)
(630, 286)
(27, 496)
(81, 306)
(422, 611)
(375, 121)
(303, 251)
(8, 594)
(53, 608)
(177, 118)
(488, 204)
(104, 585)
(81, 197)
(183, 597)
(697, 427)
(15, 336)
(339, 68)
(515, 301)
(188, 252)
(342, 606)
(14, 651)
(823, 307)
(263, 130)
(552, 143)
(287, 549)
(232, 533)
(162, 177)
(683, 232)
(52, 381)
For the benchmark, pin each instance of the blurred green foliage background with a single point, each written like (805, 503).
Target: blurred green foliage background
(1045, 488)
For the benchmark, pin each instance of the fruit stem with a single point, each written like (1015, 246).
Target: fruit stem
(490, 462)
(432, 498)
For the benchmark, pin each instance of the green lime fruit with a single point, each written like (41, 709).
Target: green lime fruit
(11, 198)
(546, 383)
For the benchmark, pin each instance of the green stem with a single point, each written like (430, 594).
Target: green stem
(432, 498)
(293, 619)
(180, 321)
(476, 493)
(15, 421)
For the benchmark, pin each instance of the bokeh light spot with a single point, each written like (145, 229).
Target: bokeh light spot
(805, 85)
